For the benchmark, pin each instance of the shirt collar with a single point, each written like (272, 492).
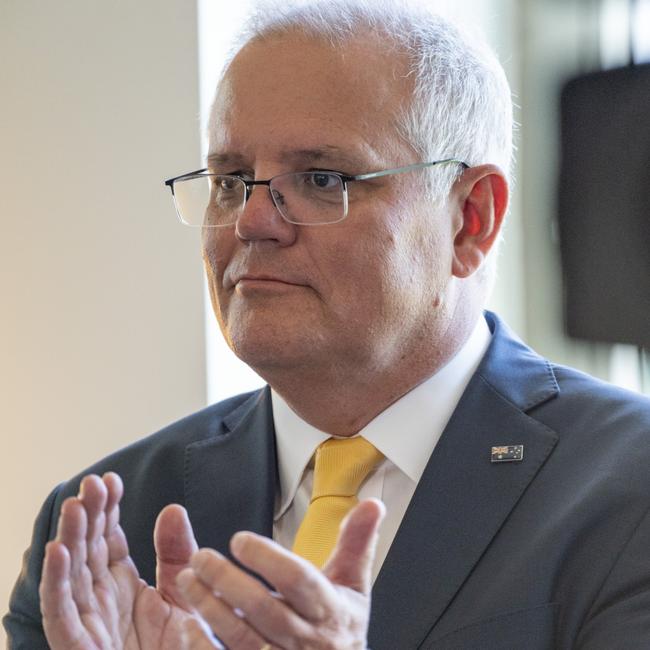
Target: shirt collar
(296, 442)
(406, 432)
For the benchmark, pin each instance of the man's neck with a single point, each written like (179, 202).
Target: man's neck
(341, 400)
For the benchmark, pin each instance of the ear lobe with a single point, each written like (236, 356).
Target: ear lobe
(485, 192)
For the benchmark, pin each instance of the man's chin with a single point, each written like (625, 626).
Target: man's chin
(266, 359)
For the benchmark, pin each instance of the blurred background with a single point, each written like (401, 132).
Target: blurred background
(105, 332)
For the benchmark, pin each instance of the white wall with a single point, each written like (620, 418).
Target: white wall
(101, 328)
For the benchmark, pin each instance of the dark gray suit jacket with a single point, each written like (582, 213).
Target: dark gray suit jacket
(552, 552)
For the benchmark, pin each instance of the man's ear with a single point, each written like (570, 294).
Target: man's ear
(482, 199)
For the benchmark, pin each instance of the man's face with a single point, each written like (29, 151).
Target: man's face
(357, 295)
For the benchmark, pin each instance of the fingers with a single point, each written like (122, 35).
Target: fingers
(118, 549)
(308, 609)
(63, 623)
(61, 620)
(105, 539)
(233, 630)
(93, 496)
(239, 608)
(71, 533)
(350, 564)
(175, 544)
(305, 589)
(114, 489)
(173, 536)
(301, 584)
(88, 577)
(82, 529)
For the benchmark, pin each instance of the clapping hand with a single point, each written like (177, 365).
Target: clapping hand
(309, 609)
(92, 597)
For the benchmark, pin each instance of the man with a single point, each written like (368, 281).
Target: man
(516, 492)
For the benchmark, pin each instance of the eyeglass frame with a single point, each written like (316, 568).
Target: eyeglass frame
(344, 178)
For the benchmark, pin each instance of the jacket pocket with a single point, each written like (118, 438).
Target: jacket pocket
(533, 629)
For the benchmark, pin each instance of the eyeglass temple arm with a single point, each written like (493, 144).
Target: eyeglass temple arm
(408, 168)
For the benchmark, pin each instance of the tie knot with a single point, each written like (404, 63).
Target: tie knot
(341, 466)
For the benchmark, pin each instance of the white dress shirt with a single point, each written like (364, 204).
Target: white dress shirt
(406, 433)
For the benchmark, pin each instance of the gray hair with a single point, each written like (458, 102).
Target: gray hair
(461, 105)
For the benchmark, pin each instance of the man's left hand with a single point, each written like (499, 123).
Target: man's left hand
(310, 609)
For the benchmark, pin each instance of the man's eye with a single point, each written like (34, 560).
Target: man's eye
(322, 180)
(227, 184)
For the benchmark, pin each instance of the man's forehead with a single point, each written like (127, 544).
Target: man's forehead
(301, 62)
(325, 105)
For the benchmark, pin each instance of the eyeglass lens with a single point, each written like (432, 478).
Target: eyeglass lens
(302, 198)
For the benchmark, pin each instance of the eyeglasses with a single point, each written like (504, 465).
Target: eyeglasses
(312, 198)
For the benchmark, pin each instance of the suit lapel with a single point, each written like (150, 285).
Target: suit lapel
(230, 477)
(463, 499)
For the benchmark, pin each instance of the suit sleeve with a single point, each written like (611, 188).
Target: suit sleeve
(23, 621)
(620, 615)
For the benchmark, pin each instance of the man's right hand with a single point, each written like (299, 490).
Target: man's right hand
(92, 597)
(310, 609)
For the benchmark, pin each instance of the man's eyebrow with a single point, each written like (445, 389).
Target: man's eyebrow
(220, 159)
(326, 153)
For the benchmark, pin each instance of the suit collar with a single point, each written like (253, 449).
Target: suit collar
(514, 371)
(463, 499)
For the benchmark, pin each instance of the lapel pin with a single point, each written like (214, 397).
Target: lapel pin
(507, 454)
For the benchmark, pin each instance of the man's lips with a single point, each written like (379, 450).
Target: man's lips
(265, 280)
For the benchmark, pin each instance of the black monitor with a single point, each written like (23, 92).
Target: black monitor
(604, 205)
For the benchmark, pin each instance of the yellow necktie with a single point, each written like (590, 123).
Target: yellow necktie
(340, 467)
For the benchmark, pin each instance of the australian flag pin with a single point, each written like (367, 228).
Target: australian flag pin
(507, 454)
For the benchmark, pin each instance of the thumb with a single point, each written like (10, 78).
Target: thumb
(174, 543)
(350, 564)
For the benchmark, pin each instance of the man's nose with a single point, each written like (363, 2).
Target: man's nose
(260, 219)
